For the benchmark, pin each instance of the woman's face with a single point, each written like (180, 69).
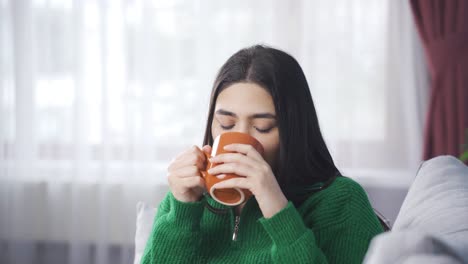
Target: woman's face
(248, 108)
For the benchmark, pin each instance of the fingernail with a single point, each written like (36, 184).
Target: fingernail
(216, 186)
(221, 176)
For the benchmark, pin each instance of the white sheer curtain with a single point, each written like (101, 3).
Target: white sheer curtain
(96, 97)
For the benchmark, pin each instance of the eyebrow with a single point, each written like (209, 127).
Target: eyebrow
(258, 115)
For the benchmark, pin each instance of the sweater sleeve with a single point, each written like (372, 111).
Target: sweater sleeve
(342, 237)
(175, 234)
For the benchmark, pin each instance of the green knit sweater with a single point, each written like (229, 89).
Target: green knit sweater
(334, 225)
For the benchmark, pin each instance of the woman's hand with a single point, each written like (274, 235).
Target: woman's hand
(257, 177)
(185, 181)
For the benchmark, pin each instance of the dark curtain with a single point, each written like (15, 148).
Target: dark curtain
(443, 28)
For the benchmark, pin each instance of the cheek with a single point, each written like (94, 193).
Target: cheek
(215, 130)
(271, 148)
(271, 151)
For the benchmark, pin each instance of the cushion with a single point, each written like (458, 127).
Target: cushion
(144, 226)
(437, 201)
(411, 247)
(432, 225)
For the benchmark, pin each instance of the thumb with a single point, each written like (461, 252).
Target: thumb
(207, 149)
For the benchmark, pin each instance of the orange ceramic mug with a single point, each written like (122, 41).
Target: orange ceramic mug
(233, 196)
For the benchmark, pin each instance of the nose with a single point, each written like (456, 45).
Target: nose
(243, 128)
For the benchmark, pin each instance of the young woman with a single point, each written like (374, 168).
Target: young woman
(302, 211)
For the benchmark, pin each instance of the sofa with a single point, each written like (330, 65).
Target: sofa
(431, 226)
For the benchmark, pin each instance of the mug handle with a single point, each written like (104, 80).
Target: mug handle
(204, 172)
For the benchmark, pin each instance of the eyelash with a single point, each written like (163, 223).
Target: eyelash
(226, 127)
(259, 130)
(263, 131)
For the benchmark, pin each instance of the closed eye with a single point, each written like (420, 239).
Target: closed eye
(227, 127)
(264, 130)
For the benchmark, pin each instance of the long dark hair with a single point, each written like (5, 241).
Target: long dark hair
(304, 159)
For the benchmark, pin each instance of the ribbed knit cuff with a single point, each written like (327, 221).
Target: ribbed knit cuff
(186, 214)
(285, 227)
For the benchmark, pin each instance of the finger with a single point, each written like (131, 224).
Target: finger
(221, 176)
(193, 151)
(184, 172)
(242, 183)
(187, 162)
(192, 182)
(245, 149)
(185, 184)
(235, 158)
(207, 149)
(190, 151)
(192, 156)
(236, 168)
